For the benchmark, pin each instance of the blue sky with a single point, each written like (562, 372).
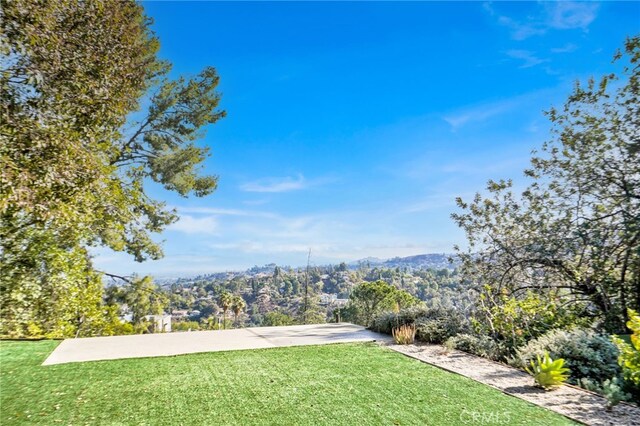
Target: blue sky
(352, 127)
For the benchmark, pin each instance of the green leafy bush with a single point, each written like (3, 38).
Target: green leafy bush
(185, 326)
(629, 358)
(514, 321)
(613, 390)
(483, 346)
(630, 353)
(548, 373)
(448, 345)
(439, 326)
(433, 325)
(588, 354)
(386, 321)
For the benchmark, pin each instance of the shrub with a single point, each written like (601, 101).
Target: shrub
(613, 390)
(386, 321)
(433, 325)
(185, 325)
(514, 321)
(448, 345)
(587, 354)
(548, 373)
(438, 328)
(405, 334)
(124, 328)
(629, 359)
(590, 385)
(482, 346)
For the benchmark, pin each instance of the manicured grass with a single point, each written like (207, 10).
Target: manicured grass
(348, 384)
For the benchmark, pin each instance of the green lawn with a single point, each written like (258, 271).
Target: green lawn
(349, 384)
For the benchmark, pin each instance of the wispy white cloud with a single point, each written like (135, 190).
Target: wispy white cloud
(206, 220)
(566, 15)
(479, 113)
(567, 48)
(484, 111)
(560, 15)
(276, 184)
(214, 238)
(259, 202)
(529, 58)
(433, 202)
(332, 236)
(284, 184)
(171, 266)
(250, 247)
(212, 210)
(207, 225)
(322, 253)
(522, 30)
(222, 212)
(239, 241)
(289, 234)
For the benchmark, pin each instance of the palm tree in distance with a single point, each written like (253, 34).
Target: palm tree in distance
(238, 306)
(226, 301)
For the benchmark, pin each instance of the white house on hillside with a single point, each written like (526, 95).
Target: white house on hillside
(161, 323)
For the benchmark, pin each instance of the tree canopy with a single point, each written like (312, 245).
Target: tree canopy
(89, 119)
(371, 298)
(575, 231)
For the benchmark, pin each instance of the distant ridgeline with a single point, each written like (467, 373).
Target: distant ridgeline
(416, 262)
(419, 261)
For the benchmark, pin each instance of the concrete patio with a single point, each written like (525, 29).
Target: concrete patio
(167, 344)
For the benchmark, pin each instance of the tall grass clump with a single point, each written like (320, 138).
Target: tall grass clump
(404, 334)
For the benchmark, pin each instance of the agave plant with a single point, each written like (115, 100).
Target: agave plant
(548, 373)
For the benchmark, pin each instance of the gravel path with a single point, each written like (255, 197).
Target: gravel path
(578, 404)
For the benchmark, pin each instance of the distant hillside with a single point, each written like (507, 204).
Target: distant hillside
(419, 261)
